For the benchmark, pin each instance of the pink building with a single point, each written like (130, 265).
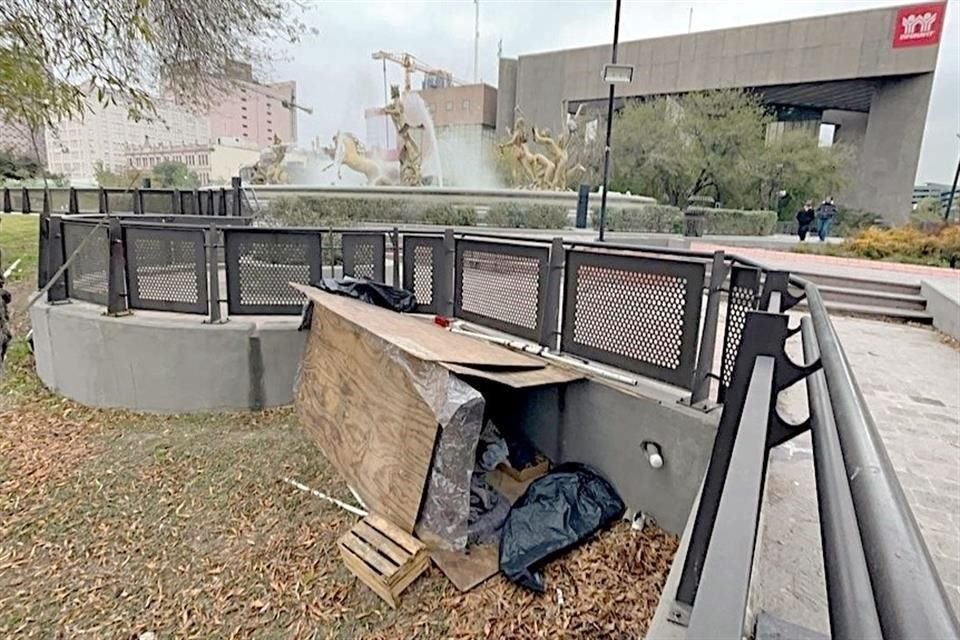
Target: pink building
(255, 112)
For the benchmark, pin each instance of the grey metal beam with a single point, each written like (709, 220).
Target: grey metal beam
(718, 613)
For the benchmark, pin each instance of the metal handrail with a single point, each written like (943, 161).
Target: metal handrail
(853, 610)
(911, 601)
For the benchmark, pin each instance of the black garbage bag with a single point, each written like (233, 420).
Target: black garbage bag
(557, 512)
(375, 293)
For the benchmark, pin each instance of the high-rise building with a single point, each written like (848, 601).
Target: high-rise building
(254, 111)
(17, 137)
(103, 135)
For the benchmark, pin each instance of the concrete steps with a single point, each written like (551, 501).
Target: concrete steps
(871, 298)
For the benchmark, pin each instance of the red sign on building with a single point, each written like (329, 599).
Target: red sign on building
(919, 25)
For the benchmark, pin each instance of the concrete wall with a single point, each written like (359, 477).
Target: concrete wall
(848, 46)
(943, 303)
(165, 362)
(604, 425)
(887, 160)
(506, 95)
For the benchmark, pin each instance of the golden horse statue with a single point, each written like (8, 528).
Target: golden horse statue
(346, 150)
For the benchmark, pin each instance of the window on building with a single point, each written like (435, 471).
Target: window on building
(449, 105)
(466, 105)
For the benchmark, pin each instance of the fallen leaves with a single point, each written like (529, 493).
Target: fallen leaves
(114, 524)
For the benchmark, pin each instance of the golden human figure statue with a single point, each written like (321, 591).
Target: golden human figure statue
(409, 154)
(535, 166)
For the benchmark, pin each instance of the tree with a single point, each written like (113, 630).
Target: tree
(18, 167)
(174, 174)
(713, 143)
(928, 211)
(118, 49)
(130, 178)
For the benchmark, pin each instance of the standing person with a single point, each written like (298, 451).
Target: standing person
(805, 218)
(825, 213)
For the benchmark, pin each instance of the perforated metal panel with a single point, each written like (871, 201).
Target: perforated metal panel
(501, 285)
(364, 255)
(422, 261)
(261, 263)
(166, 269)
(637, 313)
(16, 200)
(744, 288)
(157, 201)
(87, 274)
(120, 201)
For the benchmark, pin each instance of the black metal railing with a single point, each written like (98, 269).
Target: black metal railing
(649, 310)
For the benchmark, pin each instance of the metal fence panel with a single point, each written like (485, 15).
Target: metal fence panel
(260, 263)
(120, 200)
(166, 269)
(16, 200)
(157, 201)
(501, 285)
(637, 313)
(744, 287)
(422, 262)
(364, 255)
(87, 274)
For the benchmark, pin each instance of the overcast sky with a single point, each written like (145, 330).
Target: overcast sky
(337, 77)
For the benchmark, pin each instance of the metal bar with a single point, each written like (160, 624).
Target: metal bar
(722, 601)
(395, 238)
(550, 309)
(445, 279)
(213, 271)
(853, 611)
(708, 336)
(236, 186)
(43, 248)
(910, 596)
(102, 206)
(57, 291)
(116, 275)
(7, 203)
(73, 204)
(24, 200)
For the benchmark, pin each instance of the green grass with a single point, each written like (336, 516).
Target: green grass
(18, 239)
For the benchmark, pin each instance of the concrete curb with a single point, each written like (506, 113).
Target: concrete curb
(943, 303)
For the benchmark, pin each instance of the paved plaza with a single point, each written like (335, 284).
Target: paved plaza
(910, 377)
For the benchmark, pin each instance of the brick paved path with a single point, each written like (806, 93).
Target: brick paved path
(911, 381)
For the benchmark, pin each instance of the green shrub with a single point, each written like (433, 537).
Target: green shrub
(737, 222)
(527, 216)
(315, 211)
(849, 222)
(445, 214)
(651, 218)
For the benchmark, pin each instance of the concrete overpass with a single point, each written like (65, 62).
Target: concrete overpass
(867, 72)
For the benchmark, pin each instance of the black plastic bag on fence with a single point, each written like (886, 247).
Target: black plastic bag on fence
(556, 513)
(376, 293)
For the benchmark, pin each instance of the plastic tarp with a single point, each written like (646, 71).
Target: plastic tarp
(557, 512)
(375, 293)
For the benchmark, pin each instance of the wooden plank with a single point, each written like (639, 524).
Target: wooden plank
(356, 400)
(467, 570)
(511, 488)
(527, 378)
(369, 555)
(418, 336)
(410, 544)
(408, 573)
(363, 573)
(383, 544)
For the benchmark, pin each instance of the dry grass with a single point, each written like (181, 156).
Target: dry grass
(114, 523)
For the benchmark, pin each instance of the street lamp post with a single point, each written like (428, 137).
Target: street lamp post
(953, 190)
(612, 74)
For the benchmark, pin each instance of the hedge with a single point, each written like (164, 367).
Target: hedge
(651, 218)
(532, 216)
(737, 222)
(313, 211)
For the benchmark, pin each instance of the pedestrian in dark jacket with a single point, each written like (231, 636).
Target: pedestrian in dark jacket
(825, 214)
(805, 218)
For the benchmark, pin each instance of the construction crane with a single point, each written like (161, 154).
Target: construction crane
(410, 64)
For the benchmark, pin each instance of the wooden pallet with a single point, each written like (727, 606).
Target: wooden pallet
(383, 556)
(540, 466)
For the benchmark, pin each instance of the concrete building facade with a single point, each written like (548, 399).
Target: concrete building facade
(869, 73)
(465, 119)
(17, 137)
(214, 163)
(104, 134)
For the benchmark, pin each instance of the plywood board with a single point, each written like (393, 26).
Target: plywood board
(418, 336)
(523, 379)
(467, 570)
(355, 398)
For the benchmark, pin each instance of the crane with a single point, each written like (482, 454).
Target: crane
(410, 64)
